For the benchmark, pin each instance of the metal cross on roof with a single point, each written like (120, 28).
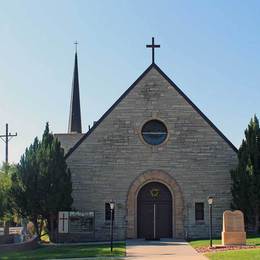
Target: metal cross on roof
(76, 46)
(153, 46)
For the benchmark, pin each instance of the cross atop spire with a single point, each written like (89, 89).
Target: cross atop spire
(153, 46)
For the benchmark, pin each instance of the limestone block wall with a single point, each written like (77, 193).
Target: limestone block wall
(114, 155)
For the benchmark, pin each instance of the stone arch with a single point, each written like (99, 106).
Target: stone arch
(177, 200)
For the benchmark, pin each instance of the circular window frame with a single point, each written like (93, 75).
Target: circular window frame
(141, 135)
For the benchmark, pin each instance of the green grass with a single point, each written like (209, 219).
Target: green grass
(204, 242)
(231, 254)
(244, 254)
(54, 252)
(251, 240)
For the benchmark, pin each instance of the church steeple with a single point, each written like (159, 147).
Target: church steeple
(75, 115)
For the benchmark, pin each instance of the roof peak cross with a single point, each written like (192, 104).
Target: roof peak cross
(153, 46)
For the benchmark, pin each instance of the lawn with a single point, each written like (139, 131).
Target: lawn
(54, 252)
(244, 254)
(232, 254)
(204, 242)
(251, 240)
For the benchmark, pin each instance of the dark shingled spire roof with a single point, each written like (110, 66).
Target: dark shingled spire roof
(75, 116)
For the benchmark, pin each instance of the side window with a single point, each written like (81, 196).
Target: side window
(199, 211)
(108, 212)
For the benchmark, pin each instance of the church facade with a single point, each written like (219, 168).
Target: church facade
(157, 156)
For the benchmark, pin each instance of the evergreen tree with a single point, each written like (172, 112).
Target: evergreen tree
(5, 185)
(56, 185)
(25, 185)
(246, 177)
(42, 184)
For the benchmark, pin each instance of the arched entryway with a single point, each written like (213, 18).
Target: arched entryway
(177, 201)
(154, 211)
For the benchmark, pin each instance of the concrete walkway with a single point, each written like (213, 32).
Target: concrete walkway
(138, 249)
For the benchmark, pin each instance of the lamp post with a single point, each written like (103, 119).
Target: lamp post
(210, 202)
(112, 208)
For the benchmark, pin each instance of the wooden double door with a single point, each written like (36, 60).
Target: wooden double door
(154, 211)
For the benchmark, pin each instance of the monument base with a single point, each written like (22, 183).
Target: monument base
(233, 238)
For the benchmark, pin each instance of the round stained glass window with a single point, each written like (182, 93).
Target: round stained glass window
(154, 132)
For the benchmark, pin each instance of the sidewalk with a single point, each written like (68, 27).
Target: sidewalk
(139, 249)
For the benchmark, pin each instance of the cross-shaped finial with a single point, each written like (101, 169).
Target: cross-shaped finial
(152, 46)
(76, 46)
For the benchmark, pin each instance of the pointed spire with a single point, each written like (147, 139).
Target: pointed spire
(75, 115)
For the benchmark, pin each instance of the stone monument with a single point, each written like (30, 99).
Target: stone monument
(6, 228)
(24, 231)
(233, 228)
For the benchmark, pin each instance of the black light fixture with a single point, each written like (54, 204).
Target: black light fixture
(112, 209)
(210, 202)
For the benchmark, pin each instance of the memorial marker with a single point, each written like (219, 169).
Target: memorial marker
(233, 228)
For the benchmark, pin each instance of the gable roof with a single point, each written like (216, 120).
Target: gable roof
(68, 140)
(153, 65)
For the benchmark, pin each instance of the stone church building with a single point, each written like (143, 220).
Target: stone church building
(154, 153)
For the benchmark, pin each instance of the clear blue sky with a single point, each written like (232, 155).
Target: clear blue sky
(210, 49)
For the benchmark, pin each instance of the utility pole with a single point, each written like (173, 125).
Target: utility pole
(6, 138)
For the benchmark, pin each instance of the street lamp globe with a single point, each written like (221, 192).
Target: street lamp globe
(112, 205)
(210, 200)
